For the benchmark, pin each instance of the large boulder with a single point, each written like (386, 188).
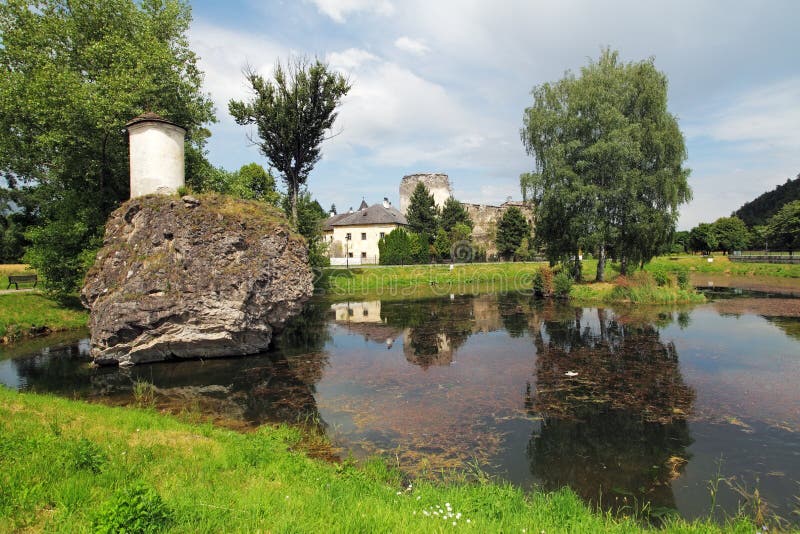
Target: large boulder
(193, 277)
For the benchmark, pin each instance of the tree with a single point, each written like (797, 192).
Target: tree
(703, 238)
(293, 113)
(422, 215)
(732, 234)
(250, 182)
(512, 228)
(310, 216)
(608, 162)
(395, 248)
(453, 213)
(73, 74)
(783, 229)
(442, 244)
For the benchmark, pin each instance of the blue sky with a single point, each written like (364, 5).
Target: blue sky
(441, 85)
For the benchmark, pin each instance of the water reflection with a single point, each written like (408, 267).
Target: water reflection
(631, 404)
(614, 409)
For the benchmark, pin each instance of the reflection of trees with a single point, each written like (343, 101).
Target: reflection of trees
(435, 329)
(618, 428)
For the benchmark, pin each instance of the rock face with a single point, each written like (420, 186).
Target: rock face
(193, 277)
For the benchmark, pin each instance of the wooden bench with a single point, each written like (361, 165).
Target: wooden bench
(16, 279)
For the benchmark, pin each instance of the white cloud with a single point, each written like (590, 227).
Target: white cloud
(766, 117)
(414, 46)
(338, 10)
(349, 59)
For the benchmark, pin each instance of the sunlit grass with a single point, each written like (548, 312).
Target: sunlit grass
(62, 462)
(27, 313)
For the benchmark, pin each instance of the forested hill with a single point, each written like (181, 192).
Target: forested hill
(758, 211)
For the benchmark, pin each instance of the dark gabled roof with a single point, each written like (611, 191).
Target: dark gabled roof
(375, 214)
(149, 116)
(363, 205)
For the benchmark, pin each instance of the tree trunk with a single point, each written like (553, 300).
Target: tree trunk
(601, 264)
(294, 205)
(623, 266)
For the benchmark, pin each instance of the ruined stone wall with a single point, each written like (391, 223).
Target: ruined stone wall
(437, 184)
(485, 219)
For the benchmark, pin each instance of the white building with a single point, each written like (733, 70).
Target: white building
(156, 155)
(353, 237)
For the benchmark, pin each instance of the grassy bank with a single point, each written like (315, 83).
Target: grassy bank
(31, 313)
(646, 294)
(66, 466)
(428, 280)
(722, 265)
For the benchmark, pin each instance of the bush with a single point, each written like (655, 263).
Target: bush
(85, 455)
(661, 278)
(133, 509)
(543, 282)
(562, 283)
(683, 279)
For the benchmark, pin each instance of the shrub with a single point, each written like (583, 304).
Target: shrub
(562, 283)
(662, 278)
(85, 455)
(133, 509)
(543, 282)
(683, 279)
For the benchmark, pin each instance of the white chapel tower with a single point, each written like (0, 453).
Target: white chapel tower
(156, 154)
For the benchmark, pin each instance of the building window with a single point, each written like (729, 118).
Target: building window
(363, 236)
(349, 236)
(349, 254)
(383, 234)
(363, 255)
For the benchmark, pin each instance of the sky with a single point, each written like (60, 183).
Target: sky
(442, 85)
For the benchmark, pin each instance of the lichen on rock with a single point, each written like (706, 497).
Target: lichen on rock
(193, 277)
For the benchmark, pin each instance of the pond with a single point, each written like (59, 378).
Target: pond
(624, 405)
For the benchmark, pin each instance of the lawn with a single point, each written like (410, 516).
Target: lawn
(27, 313)
(68, 466)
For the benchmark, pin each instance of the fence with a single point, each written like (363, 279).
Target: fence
(764, 257)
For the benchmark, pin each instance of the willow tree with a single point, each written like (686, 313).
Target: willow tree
(293, 114)
(609, 173)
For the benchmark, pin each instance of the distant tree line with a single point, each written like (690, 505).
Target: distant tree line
(757, 212)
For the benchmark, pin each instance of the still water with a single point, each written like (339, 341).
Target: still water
(624, 405)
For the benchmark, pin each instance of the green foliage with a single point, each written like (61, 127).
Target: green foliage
(609, 162)
(310, 217)
(250, 182)
(422, 214)
(395, 248)
(759, 211)
(682, 276)
(136, 509)
(523, 252)
(73, 75)
(292, 112)
(703, 238)
(543, 284)
(512, 228)
(562, 284)
(442, 244)
(661, 277)
(783, 229)
(83, 454)
(732, 234)
(453, 214)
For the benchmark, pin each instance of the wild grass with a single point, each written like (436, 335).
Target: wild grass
(67, 466)
(428, 280)
(643, 287)
(722, 265)
(31, 313)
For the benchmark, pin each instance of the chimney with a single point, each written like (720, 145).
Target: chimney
(156, 155)
(386, 203)
(332, 214)
(351, 209)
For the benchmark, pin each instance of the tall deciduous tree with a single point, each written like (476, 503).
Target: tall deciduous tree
(608, 162)
(422, 214)
(73, 73)
(783, 229)
(732, 234)
(293, 113)
(703, 238)
(512, 229)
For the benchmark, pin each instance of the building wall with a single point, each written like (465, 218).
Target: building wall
(156, 158)
(336, 240)
(437, 184)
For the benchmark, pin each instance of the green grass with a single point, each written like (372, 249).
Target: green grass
(13, 268)
(413, 281)
(608, 293)
(67, 466)
(722, 265)
(31, 313)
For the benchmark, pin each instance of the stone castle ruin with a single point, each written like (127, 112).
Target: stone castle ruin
(484, 216)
